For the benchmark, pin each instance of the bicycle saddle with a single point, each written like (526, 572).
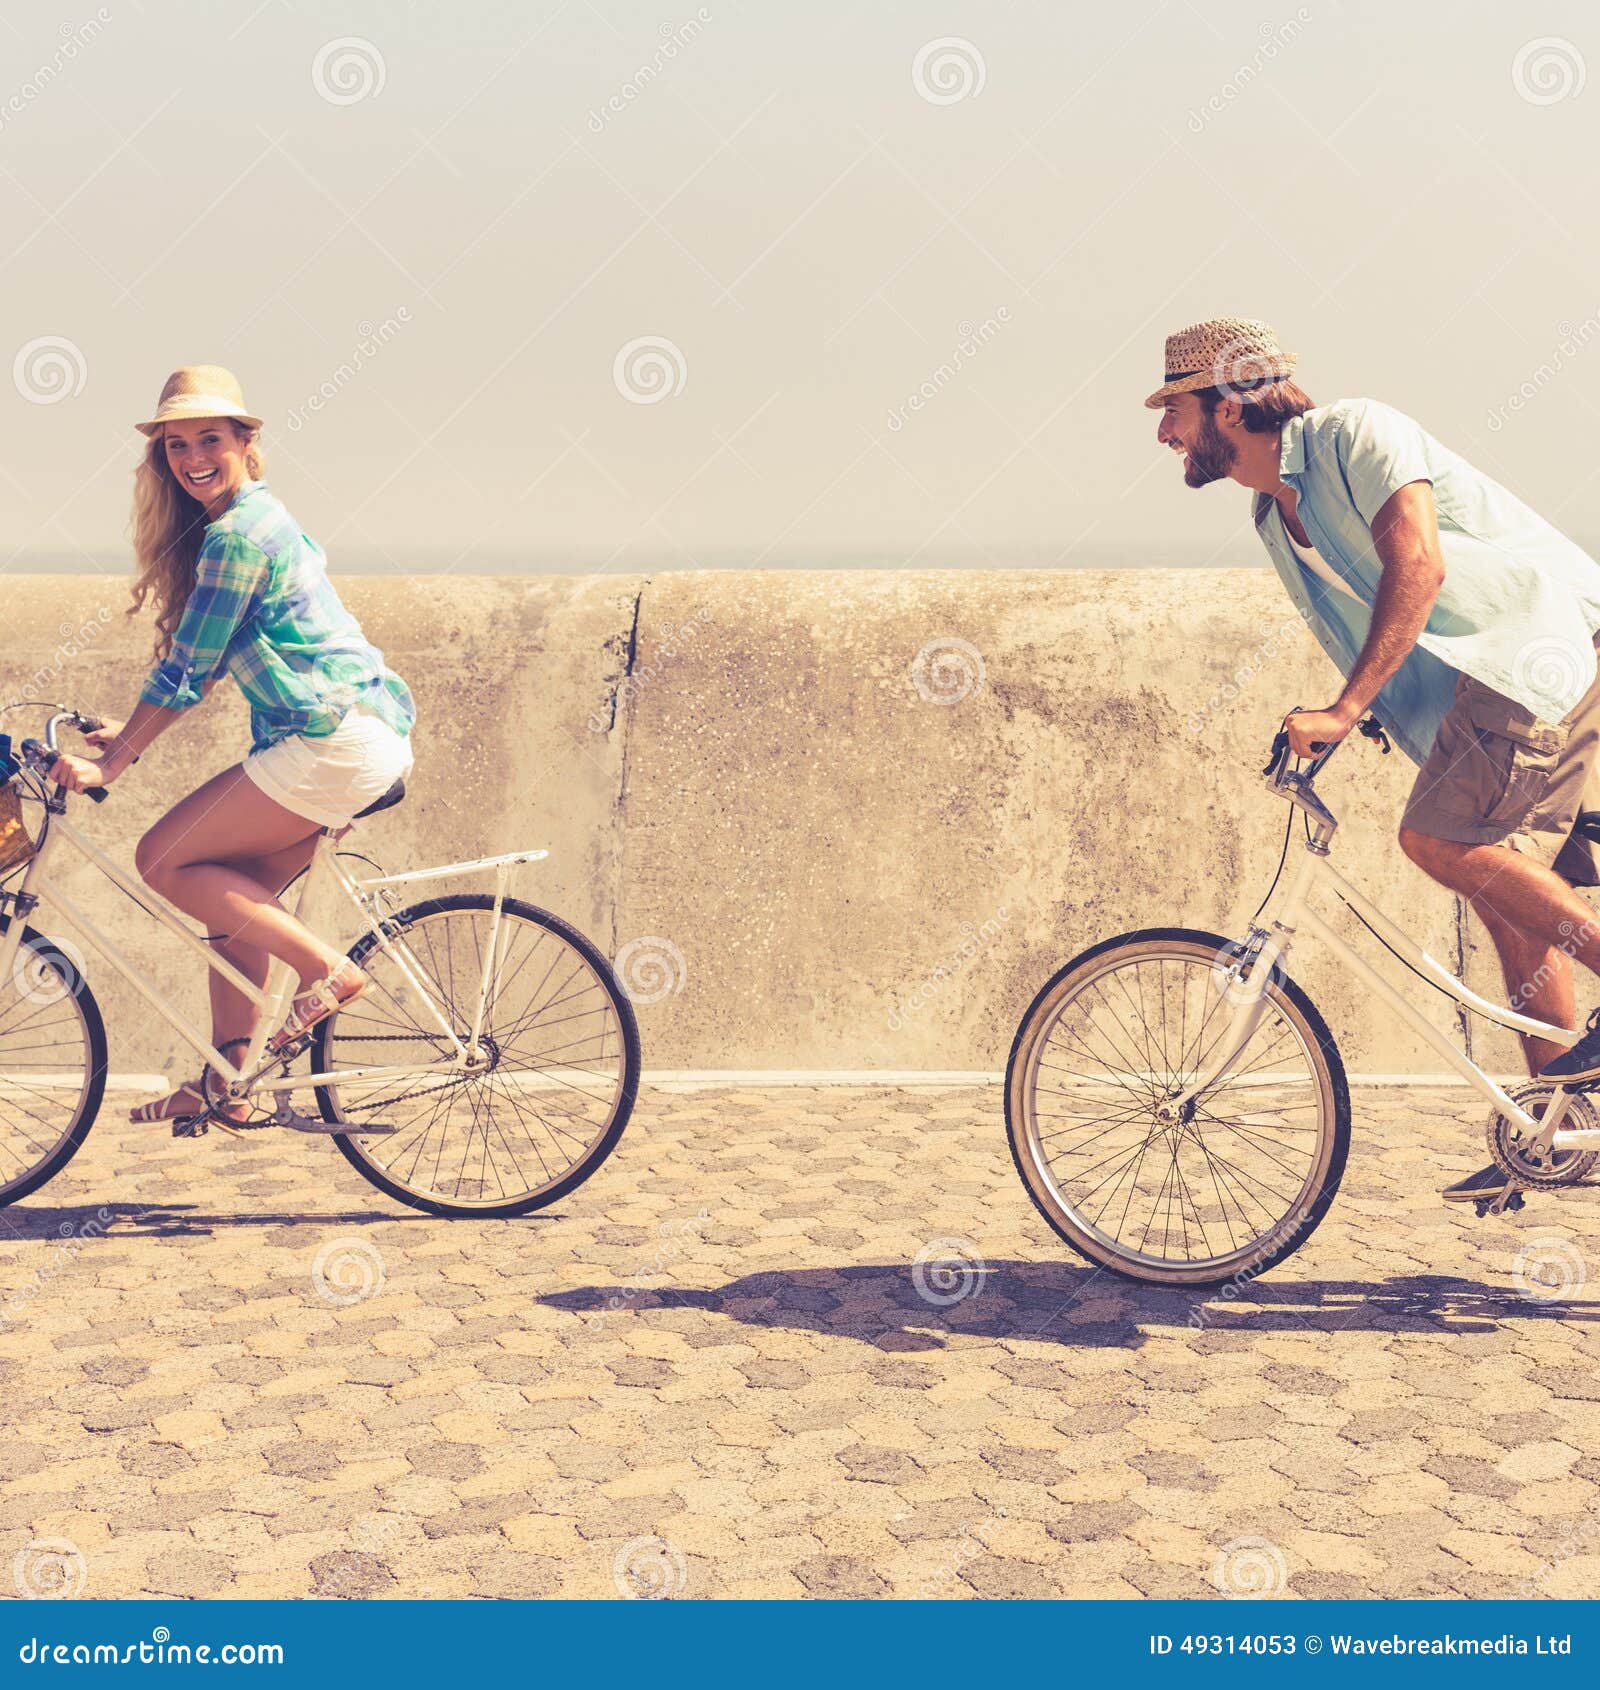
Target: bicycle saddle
(398, 791)
(1588, 824)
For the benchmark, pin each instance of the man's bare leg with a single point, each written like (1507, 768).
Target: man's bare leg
(1537, 921)
(1538, 981)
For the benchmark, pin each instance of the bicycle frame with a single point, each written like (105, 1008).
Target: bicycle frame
(40, 887)
(1267, 948)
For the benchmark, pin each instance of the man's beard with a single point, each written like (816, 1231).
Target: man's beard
(1211, 455)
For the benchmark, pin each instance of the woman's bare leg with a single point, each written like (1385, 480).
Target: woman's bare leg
(233, 1015)
(191, 858)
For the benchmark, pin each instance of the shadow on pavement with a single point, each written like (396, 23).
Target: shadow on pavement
(86, 1222)
(1080, 1306)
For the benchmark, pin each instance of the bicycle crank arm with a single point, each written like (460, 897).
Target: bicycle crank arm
(286, 1115)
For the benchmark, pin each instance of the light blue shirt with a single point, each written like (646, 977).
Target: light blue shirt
(1520, 602)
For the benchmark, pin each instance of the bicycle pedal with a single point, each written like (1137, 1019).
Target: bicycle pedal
(1510, 1199)
(190, 1126)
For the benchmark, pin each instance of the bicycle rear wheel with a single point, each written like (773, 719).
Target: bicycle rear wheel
(1228, 1192)
(52, 1065)
(561, 1070)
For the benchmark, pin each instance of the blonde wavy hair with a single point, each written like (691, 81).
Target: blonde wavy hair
(167, 526)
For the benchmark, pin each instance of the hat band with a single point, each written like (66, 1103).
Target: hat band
(1185, 375)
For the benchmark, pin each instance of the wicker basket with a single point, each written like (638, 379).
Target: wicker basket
(16, 847)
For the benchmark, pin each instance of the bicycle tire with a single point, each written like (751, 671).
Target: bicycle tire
(92, 1090)
(628, 1085)
(1322, 1057)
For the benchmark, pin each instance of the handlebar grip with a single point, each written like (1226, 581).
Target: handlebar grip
(90, 724)
(97, 793)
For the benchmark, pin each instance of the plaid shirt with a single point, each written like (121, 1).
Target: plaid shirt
(264, 611)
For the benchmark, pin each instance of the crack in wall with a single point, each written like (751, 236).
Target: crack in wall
(620, 693)
(1463, 1019)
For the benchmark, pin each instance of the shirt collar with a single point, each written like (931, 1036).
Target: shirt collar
(1292, 448)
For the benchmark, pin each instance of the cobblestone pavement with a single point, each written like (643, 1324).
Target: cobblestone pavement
(232, 1368)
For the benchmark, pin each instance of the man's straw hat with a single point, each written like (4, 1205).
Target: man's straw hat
(199, 390)
(1226, 352)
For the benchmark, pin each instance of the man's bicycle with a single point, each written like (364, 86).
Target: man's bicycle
(490, 1068)
(1178, 1109)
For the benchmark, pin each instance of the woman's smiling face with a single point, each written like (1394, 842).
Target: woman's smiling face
(206, 456)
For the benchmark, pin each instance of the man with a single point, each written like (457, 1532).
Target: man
(1460, 619)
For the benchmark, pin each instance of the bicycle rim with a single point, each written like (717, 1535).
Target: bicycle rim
(1224, 1194)
(562, 1068)
(52, 1066)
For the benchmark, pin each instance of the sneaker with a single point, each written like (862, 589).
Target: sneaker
(1487, 1182)
(1582, 1061)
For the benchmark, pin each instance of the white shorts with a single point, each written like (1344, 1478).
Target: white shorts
(328, 780)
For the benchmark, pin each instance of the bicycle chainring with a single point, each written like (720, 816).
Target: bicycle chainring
(1517, 1157)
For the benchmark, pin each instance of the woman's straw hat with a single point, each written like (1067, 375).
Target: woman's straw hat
(199, 390)
(1227, 352)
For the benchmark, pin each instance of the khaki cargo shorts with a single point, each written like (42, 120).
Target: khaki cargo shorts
(1500, 775)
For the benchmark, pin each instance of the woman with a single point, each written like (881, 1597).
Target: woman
(239, 591)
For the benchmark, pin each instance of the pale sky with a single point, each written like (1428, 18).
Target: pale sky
(793, 214)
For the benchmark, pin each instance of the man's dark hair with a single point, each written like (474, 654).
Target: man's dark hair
(1265, 405)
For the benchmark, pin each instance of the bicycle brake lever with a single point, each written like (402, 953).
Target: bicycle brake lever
(1372, 729)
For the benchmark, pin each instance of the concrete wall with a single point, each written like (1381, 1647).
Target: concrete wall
(826, 850)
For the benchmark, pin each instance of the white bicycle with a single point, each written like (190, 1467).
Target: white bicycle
(1178, 1109)
(490, 1068)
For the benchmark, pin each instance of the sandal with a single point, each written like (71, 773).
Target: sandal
(194, 1090)
(317, 1002)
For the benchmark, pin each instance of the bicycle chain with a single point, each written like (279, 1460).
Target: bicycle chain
(405, 1096)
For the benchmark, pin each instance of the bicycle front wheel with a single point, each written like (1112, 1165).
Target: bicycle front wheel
(1225, 1193)
(556, 1084)
(52, 1065)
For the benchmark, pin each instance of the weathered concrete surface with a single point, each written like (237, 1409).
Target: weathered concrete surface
(841, 868)
(785, 1343)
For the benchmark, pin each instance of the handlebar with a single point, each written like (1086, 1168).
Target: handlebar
(1278, 758)
(41, 756)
